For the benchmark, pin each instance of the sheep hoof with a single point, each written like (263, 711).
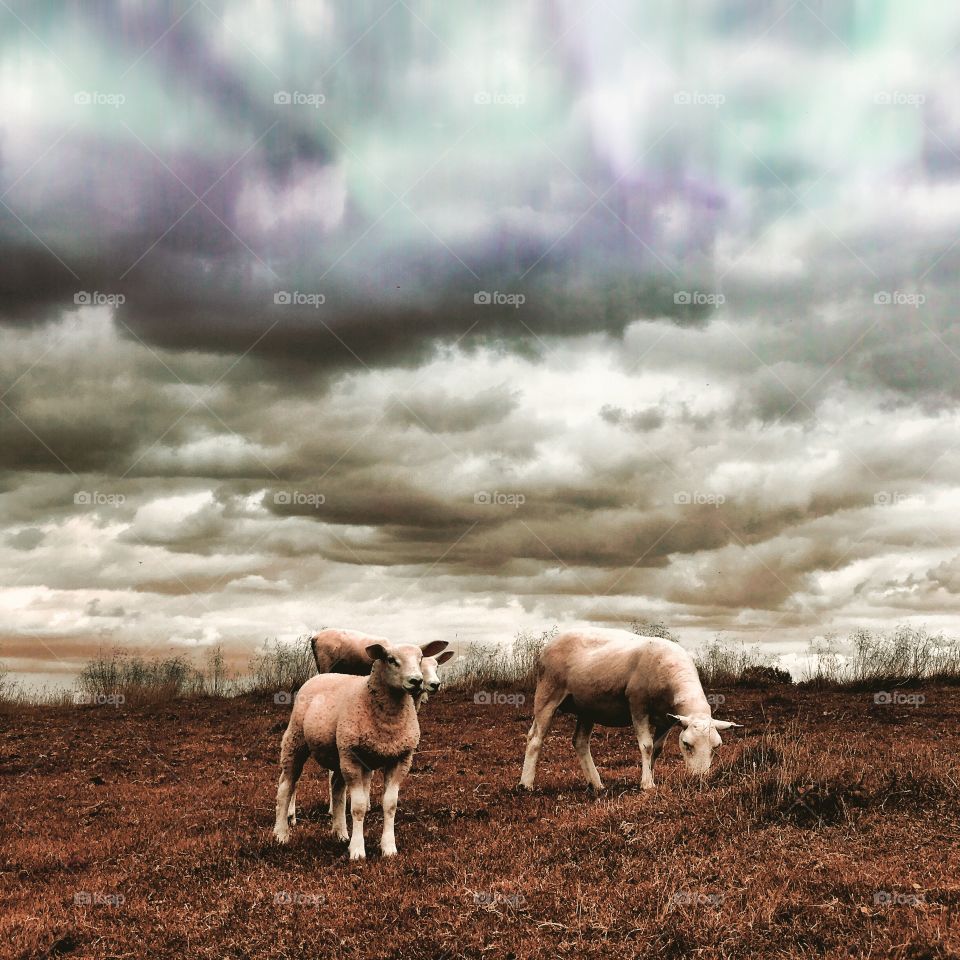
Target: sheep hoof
(281, 836)
(357, 855)
(391, 852)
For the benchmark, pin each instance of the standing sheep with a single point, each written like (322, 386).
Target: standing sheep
(353, 726)
(336, 650)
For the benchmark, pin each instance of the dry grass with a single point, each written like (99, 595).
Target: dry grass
(823, 830)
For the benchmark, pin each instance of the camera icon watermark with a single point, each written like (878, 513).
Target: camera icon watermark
(94, 498)
(495, 698)
(694, 898)
(298, 98)
(698, 298)
(294, 298)
(896, 698)
(716, 699)
(94, 98)
(283, 698)
(86, 898)
(284, 898)
(83, 699)
(498, 499)
(894, 498)
(85, 298)
(899, 298)
(890, 898)
(697, 98)
(494, 898)
(486, 298)
(299, 498)
(899, 98)
(698, 498)
(486, 98)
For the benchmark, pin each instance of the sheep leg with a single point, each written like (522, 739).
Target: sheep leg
(330, 808)
(358, 783)
(659, 738)
(338, 800)
(392, 778)
(292, 811)
(644, 731)
(581, 743)
(548, 698)
(293, 755)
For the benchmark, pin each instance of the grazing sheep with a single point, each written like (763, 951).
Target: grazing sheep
(617, 679)
(353, 726)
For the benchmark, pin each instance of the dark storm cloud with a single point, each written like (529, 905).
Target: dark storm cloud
(26, 539)
(210, 271)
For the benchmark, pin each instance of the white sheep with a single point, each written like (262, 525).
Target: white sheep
(336, 650)
(431, 677)
(617, 679)
(353, 726)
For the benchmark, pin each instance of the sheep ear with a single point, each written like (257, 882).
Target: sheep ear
(433, 647)
(444, 657)
(376, 651)
(725, 724)
(680, 718)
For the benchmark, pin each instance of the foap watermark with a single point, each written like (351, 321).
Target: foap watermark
(298, 98)
(899, 98)
(497, 499)
(293, 898)
(296, 298)
(96, 98)
(494, 698)
(283, 698)
(716, 699)
(83, 699)
(698, 498)
(894, 498)
(96, 298)
(898, 298)
(299, 498)
(698, 298)
(499, 98)
(493, 898)
(896, 698)
(94, 898)
(497, 298)
(95, 498)
(891, 898)
(695, 898)
(698, 98)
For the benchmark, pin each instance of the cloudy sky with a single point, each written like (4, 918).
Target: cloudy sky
(445, 320)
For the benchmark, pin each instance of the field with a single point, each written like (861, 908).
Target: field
(827, 827)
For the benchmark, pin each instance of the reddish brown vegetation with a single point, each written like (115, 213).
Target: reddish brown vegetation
(828, 827)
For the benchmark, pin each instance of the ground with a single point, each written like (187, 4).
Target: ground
(828, 827)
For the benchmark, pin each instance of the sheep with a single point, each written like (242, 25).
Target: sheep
(336, 650)
(431, 677)
(345, 651)
(342, 651)
(353, 726)
(617, 679)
